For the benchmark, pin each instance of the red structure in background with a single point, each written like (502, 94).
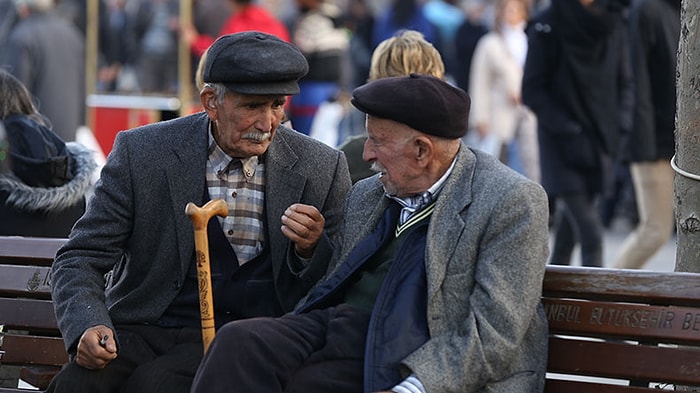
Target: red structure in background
(110, 114)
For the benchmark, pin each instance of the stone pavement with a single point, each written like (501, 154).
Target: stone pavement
(663, 260)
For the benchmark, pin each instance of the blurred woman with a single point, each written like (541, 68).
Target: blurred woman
(494, 86)
(43, 189)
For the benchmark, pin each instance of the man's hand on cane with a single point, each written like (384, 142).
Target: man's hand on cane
(303, 224)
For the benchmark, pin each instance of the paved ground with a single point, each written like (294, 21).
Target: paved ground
(664, 260)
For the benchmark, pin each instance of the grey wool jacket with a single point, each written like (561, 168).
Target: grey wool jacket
(136, 227)
(486, 251)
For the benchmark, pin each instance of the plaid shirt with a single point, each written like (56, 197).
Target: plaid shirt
(241, 183)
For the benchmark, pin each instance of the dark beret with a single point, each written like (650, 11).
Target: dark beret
(255, 63)
(425, 103)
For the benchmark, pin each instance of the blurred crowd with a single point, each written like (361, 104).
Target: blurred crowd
(578, 95)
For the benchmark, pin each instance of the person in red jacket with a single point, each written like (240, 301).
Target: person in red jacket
(245, 16)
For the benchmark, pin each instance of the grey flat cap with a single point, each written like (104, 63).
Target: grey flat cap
(255, 63)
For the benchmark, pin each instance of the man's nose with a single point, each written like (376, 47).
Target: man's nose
(265, 120)
(368, 152)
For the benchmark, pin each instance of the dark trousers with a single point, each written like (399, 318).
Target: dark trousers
(320, 351)
(578, 220)
(150, 359)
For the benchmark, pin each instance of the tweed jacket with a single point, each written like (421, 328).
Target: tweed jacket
(486, 251)
(136, 227)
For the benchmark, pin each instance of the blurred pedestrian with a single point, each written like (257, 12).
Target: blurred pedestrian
(654, 34)
(318, 32)
(359, 21)
(244, 15)
(447, 16)
(155, 27)
(578, 82)
(46, 53)
(495, 87)
(403, 15)
(466, 38)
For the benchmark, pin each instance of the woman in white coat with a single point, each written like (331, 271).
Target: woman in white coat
(499, 122)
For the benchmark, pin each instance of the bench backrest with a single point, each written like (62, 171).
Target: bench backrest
(29, 334)
(624, 326)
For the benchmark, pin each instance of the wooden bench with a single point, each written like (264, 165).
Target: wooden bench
(31, 347)
(611, 331)
(621, 331)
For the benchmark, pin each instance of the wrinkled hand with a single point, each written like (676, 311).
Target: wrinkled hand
(91, 354)
(303, 225)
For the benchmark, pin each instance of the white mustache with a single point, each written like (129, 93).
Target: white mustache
(257, 136)
(377, 167)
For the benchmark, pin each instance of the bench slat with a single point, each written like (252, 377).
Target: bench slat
(559, 386)
(27, 314)
(663, 288)
(670, 325)
(25, 281)
(36, 250)
(28, 349)
(624, 361)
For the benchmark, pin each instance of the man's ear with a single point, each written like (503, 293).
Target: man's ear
(208, 100)
(424, 149)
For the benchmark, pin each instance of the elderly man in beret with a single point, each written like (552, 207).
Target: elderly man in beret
(435, 285)
(125, 283)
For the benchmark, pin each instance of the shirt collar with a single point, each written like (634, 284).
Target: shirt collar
(419, 201)
(223, 163)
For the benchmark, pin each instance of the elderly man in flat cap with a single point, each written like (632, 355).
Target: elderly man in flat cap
(125, 283)
(435, 286)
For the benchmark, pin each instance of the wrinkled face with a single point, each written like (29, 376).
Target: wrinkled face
(244, 125)
(391, 150)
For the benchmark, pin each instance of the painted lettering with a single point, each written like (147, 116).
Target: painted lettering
(669, 317)
(563, 312)
(638, 318)
(691, 321)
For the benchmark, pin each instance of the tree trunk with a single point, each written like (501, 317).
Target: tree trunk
(687, 159)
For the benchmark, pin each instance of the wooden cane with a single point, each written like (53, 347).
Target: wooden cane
(200, 218)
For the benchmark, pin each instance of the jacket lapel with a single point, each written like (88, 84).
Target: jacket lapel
(283, 187)
(186, 168)
(447, 224)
